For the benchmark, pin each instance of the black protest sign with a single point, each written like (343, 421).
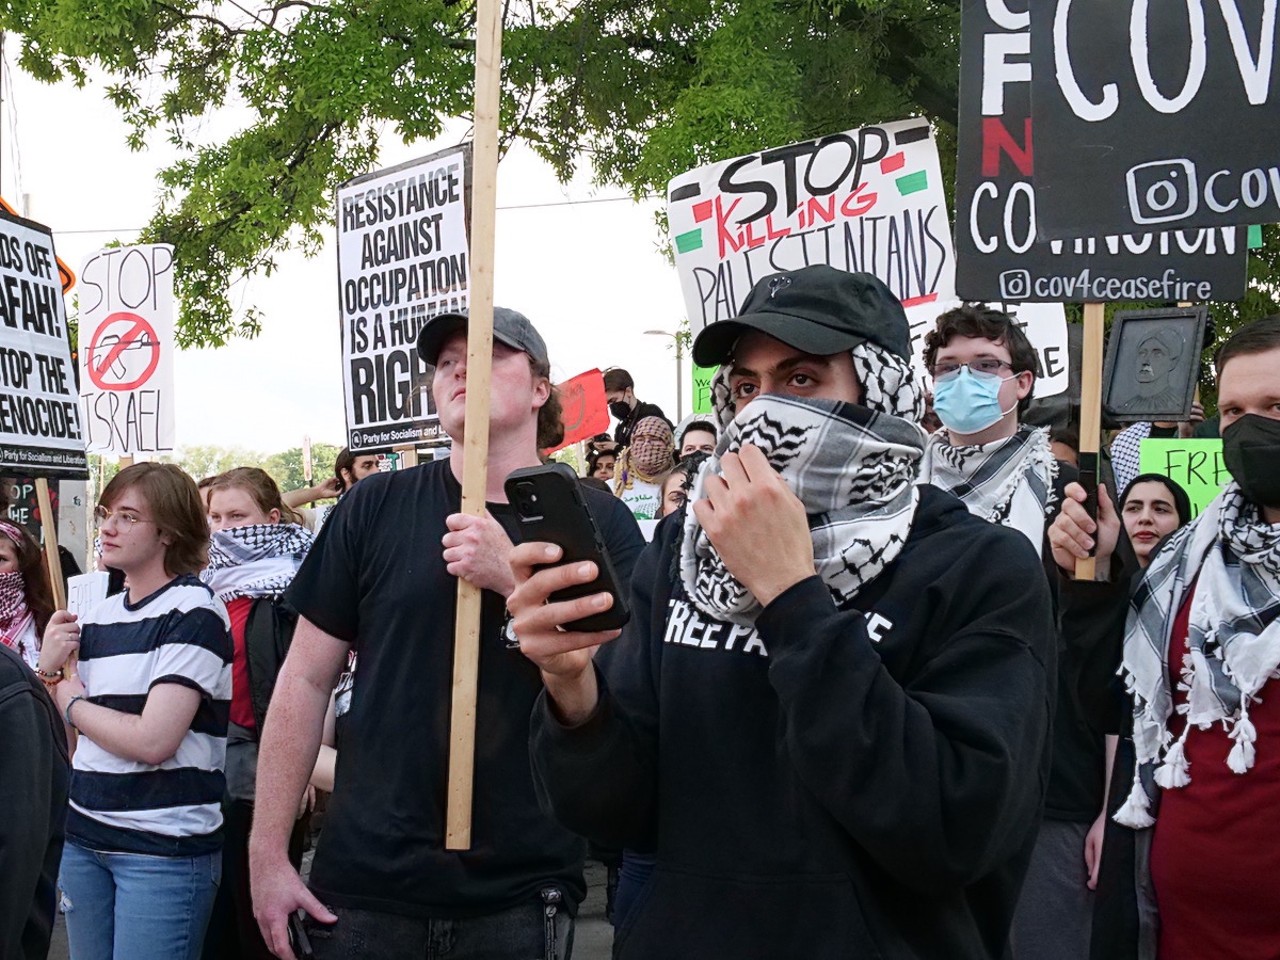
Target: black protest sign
(39, 409)
(997, 254)
(1154, 116)
(402, 258)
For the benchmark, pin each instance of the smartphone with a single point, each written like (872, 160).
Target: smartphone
(299, 942)
(550, 508)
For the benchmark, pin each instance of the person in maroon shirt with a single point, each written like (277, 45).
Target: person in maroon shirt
(1200, 658)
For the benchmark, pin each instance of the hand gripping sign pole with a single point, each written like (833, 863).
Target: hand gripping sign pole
(475, 449)
(1090, 420)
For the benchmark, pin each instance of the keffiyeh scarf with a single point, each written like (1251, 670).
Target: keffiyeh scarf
(647, 457)
(259, 560)
(851, 466)
(17, 626)
(1008, 481)
(1233, 640)
(1126, 451)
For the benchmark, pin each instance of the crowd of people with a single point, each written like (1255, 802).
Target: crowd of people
(862, 707)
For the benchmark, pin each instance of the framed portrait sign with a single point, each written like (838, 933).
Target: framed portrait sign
(1153, 363)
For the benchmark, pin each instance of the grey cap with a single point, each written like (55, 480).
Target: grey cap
(509, 327)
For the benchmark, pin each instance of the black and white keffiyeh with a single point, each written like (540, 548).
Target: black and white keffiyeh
(1126, 452)
(259, 560)
(1007, 482)
(1233, 640)
(852, 467)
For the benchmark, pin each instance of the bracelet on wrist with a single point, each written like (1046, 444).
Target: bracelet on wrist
(66, 713)
(55, 676)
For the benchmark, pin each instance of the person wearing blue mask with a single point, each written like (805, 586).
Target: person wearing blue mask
(983, 371)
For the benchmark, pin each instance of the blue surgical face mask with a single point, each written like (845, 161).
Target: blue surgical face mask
(968, 402)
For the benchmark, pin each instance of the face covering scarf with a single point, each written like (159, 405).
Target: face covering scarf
(1007, 482)
(852, 467)
(647, 457)
(259, 560)
(17, 630)
(1233, 640)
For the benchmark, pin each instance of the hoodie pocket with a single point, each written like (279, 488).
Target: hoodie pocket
(680, 914)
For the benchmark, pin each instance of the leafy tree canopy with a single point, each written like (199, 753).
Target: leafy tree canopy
(643, 89)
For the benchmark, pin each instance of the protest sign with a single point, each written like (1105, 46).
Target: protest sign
(127, 347)
(66, 277)
(40, 432)
(702, 377)
(1154, 116)
(997, 254)
(24, 508)
(85, 590)
(1196, 465)
(403, 257)
(585, 408)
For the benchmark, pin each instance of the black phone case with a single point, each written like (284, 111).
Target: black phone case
(560, 515)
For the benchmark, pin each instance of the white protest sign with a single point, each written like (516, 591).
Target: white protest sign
(868, 200)
(402, 258)
(126, 350)
(86, 589)
(40, 433)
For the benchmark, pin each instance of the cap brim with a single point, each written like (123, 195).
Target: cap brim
(440, 328)
(714, 345)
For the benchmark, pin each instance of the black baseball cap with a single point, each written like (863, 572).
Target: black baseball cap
(817, 309)
(509, 327)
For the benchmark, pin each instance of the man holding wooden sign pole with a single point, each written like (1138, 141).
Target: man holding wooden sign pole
(382, 578)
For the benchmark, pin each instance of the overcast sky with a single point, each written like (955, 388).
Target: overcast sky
(587, 274)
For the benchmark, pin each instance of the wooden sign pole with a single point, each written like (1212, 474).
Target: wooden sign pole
(475, 450)
(1091, 419)
(408, 455)
(49, 528)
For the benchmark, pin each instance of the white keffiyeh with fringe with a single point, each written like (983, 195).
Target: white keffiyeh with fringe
(1233, 641)
(853, 467)
(1007, 482)
(259, 560)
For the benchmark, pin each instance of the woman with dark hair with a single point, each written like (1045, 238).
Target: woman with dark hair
(143, 859)
(26, 599)
(256, 546)
(1152, 507)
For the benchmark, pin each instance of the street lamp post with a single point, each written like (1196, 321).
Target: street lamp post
(679, 368)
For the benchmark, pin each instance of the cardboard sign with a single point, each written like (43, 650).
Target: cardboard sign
(86, 589)
(127, 348)
(1196, 465)
(1154, 116)
(40, 432)
(402, 258)
(586, 410)
(997, 254)
(866, 200)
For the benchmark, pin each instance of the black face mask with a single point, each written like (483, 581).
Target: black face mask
(1251, 451)
(620, 409)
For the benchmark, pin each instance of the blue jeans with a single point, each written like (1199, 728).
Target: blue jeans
(128, 905)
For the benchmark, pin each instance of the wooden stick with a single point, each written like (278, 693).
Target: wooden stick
(1091, 419)
(475, 445)
(49, 527)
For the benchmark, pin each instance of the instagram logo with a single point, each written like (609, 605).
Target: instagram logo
(1162, 191)
(1015, 285)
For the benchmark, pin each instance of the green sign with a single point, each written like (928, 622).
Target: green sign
(702, 388)
(1194, 464)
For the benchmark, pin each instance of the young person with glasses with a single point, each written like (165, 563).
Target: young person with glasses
(142, 861)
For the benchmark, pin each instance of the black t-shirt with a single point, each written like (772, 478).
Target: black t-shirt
(376, 579)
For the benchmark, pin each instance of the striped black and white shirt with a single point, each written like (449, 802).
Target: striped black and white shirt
(179, 634)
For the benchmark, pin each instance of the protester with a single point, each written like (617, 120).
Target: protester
(26, 599)
(255, 549)
(619, 390)
(142, 860)
(832, 722)
(983, 371)
(1201, 650)
(350, 468)
(372, 583)
(34, 769)
(643, 466)
(601, 464)
(696, 436)
(1064, 441)
(675, 489)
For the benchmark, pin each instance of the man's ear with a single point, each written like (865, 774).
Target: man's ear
(1026, 380)
(541, 393)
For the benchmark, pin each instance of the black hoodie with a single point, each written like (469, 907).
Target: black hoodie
(869, 787)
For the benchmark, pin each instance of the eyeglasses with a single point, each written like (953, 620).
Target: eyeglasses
(991, 366)
(127, 517)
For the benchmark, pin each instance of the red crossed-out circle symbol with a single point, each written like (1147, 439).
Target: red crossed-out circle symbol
(124, 353)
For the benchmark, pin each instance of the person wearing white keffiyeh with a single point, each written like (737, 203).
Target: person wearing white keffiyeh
(835, 684)
(1201, 661)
